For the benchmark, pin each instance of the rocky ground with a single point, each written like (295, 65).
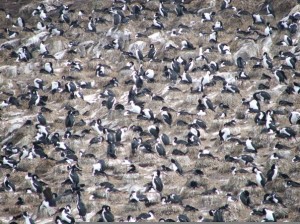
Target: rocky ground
(16, 77)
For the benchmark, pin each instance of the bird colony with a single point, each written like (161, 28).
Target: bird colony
(129, 111)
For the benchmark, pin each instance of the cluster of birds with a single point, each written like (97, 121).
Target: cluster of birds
(139, 122)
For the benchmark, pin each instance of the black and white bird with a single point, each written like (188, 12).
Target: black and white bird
(290, 63)
(280, 75)
(146, 216)
(224, 48)
(262, 96)
(159, 148)
(189, 66)
(250, 147)
(48, 69)
(240, 62)
(260, 179)
(166, 116)
(28, 219)
(224, 134)
(207, 16)
(272, 173)
(36, 184)
(257, 19)
(73, 175)
(49, 199)
(66, 215)
(91, 25)
(139, 55)
(21, 22)
(56, 87)
(43, 49)
(99, 167)
(157, 183)
(152, 52)
(176, 167)
(207, 103)
(269, 215)
(287, 41)
(8, 185)
(156, 23)
(245, 198)
(225, 4)
(267, 61)
(291, 183)
(24, 54)
(186, 45)
(162, 10)
(10, 162)
(286, 132)
(70, 119)
(106, 214)
(218, 26)
(254, 105)
(82, 211)
(230, 88)
(294, 117)
(154, 131)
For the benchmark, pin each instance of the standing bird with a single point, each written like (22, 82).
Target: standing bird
(34, 99)
(28, 219)
(266, 61)
(8, 185)
(272, 173)
(91, 25)
(245, 198)
(189, 66)
(21, 22)
(73, 176)
(152, 52)
(49, 200)
(106, 214)
(157, 183)
(36, 184)
(70, 120)
(207, 103)
(139, 55)
(166, 116)
(162, 10)
(160, 149)
(81, 207)
(280, 76)
(260, 179)
(41, 119)
(110, 102)
(176, 167)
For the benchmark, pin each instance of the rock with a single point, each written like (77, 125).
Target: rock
(248, 50)
(137, 45)
(36, 39)
(10, 44)
(9, 70)
(119, 34)
(157, 37)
